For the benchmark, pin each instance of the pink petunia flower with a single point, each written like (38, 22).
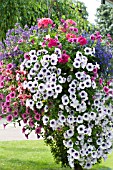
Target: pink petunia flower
(52, 43)
(38, 130)
(64, 58)
(1, 84)
(9, 118)
(12, 94)
(82, 40)
(37, 117)
(106, 89)
(100, 81)
(9, 66)
(8, 98)
(31, 123)
(44, 22)
(26, 56)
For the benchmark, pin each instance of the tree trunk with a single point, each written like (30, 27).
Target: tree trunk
(78, 167)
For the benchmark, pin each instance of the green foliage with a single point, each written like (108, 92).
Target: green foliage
(105, 19)
(27, 12)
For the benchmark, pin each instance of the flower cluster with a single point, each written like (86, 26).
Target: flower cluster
(58, 86)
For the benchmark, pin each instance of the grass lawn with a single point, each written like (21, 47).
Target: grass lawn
(34, 155)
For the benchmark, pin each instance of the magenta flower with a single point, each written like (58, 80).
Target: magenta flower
(106, 89)
(8, 98)
(7, 103)
(26, 56)
(38, 130)
(1, 84)
(23, 130)
(9, 118)
(15, 48)
(64, 58)
(12, 94)
(15, 113)
(24, 115)
(52, 43)
(2, 78)
(9, 109)
(9, 66)
(37, 117)
(92, 37)
(31, 123)
(100, 81)
(95, 70)
(1, 96)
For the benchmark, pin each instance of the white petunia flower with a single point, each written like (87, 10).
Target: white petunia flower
(94, 154)
(53, 124)
(54, 59)
(69, 144)
(72, 97)
(81, 129)
(65, 100)
(88, 165)
(24, 84)
(40, 76)
(76, 155)
(70, 133)
(36, 66)
(62, 118)
(80, 119)
(30, 103)
(35, 84)
(92, 115)
(32, 72)
(39, 105)
(84, 62)
(82, 85)
(74, 103)
(58, 52)
(87, 83)
(70, 119)
(71, 90)
(78, 54)
(58, 89)
(32, 53)
(69, 78)
(29, 84)
(46, 108)
(93, 85)
(83, 94)
(79, 75)
(33, 59)
(76, 64)
(28, 64)
(88, 51)
(86, 116)
(58, 71)
(41, 87)
(45, 119)
(50, 93)
(90, 67)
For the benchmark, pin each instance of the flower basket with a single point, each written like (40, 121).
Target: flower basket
(58, 86)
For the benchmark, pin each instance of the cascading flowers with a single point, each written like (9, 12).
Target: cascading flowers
(60, 89)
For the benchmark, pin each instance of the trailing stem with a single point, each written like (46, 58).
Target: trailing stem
(78, 167)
